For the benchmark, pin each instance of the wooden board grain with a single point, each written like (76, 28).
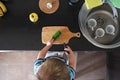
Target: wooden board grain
(66, 35)
(43, 6)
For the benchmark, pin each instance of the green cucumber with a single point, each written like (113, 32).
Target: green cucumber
(56, 34)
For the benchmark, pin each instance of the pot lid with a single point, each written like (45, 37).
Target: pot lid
(48, 6)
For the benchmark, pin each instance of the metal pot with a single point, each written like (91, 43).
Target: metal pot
(100, 25)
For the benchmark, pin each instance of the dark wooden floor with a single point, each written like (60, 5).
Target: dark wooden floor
(18, 65)
(91, 65)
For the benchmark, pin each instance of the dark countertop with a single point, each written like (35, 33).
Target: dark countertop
(18, 33)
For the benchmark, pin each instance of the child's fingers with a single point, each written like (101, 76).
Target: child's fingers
(67, 48)
(50, 42)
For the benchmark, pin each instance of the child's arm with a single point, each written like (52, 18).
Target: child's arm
(72, 60)
(43, 52)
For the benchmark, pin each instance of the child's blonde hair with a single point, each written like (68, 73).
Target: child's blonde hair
(53, 69)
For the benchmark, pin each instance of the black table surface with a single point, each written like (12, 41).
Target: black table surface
(17, 32)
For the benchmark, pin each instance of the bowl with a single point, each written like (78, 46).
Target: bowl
(100, 25)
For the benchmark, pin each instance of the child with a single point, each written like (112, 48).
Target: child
(54, 67)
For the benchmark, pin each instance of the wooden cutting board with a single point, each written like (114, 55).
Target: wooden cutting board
(66, 35)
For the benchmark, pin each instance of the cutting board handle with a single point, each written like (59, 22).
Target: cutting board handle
(76, 34)
(66, 35)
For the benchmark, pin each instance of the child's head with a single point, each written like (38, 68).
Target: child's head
(53, 69)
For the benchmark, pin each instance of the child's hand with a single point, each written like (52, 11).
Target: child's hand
(72, 60)
(68, 49)
(50, 42)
